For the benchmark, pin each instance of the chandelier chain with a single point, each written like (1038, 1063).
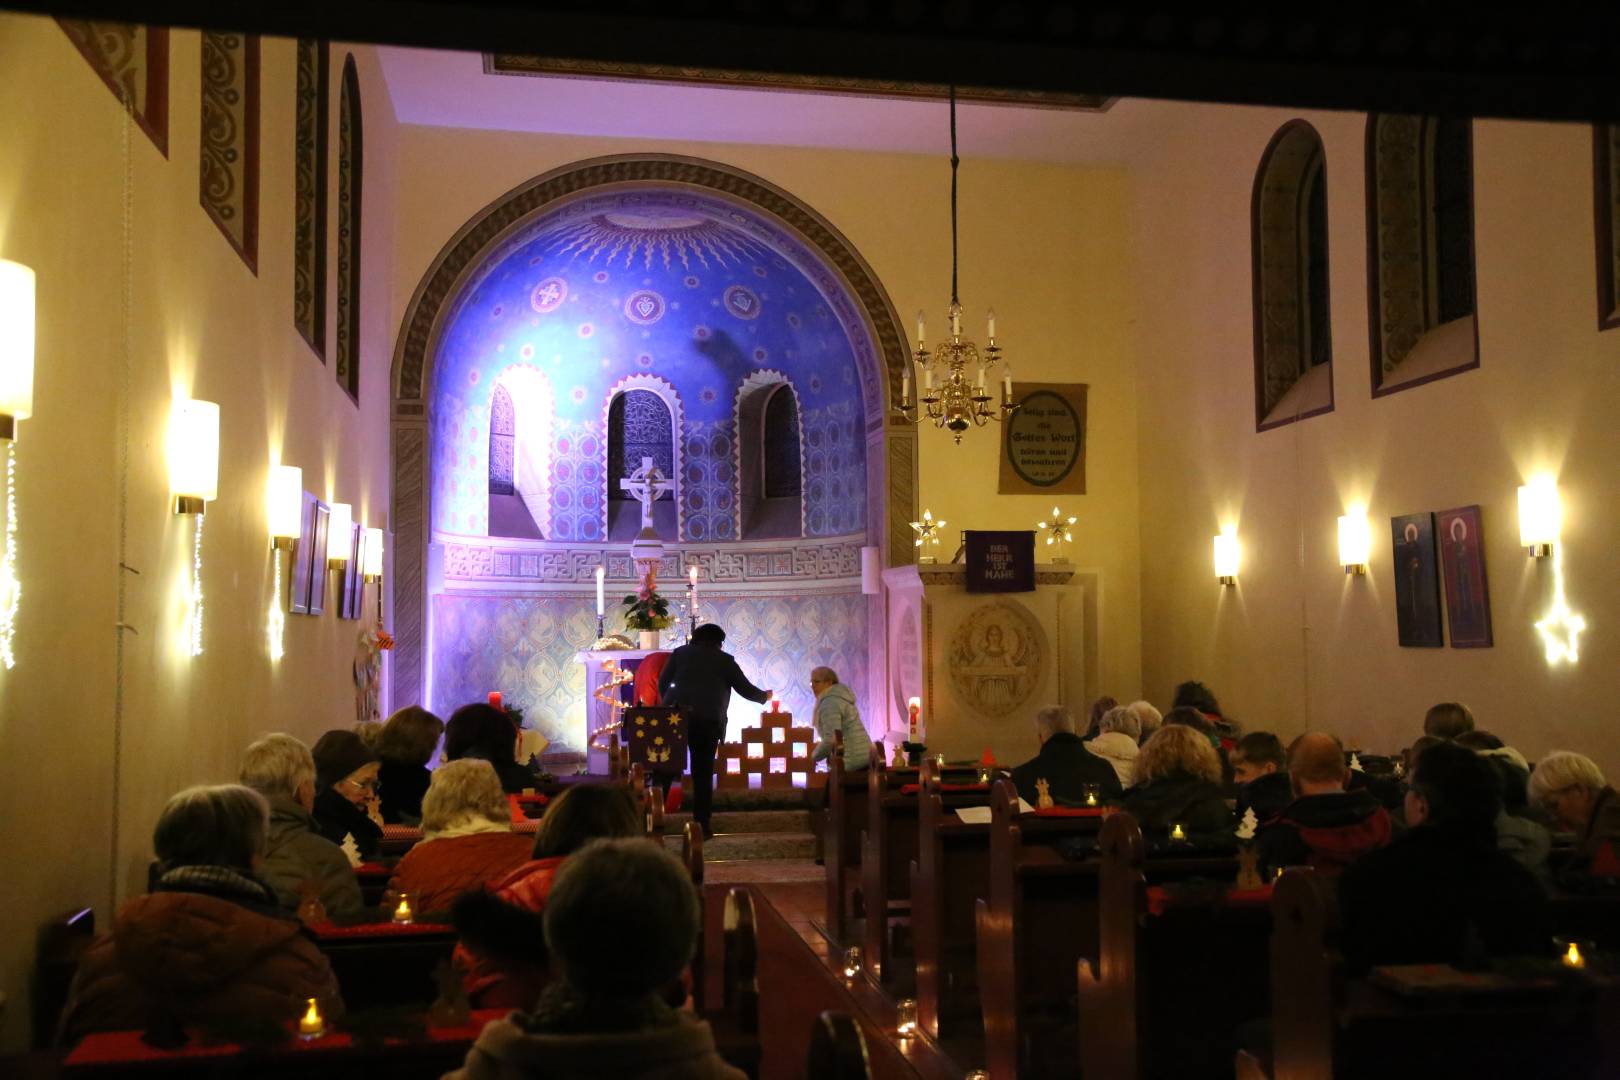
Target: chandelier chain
(955, 161)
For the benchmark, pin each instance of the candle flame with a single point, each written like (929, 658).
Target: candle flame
(1573, 958)
(1177, 833)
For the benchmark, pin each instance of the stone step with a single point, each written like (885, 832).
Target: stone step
(736, 847)
(750, 821)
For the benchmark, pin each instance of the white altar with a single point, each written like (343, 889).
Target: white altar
(983, 663)
(598, 713)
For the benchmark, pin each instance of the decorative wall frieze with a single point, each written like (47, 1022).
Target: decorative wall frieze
(310, 138)
(133, 60)
(476, 562)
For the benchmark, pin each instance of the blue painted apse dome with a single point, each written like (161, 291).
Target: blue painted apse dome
(673, 291)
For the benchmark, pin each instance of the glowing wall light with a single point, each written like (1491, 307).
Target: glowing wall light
(16, 404)
(1355, 543)
(194, 482)
(1541, 515)
(284, 509)
(339, 535)
(1228, 556)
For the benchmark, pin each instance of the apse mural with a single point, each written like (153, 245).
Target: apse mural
(629, 325)
(685, 287)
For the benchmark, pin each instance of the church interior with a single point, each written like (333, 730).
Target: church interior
(489, 379)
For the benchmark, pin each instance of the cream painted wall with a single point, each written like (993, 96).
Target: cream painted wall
(1044, 245)
(1297, 644)
(203, 325)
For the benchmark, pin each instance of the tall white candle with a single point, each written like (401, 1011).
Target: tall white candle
(905, 388)
(1006, 385)
(981, 376)
(691, 585)
(928, 378)
(919, 327)
(601, 603)
(992, 324)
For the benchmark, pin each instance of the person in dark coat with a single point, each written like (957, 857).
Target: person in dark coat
(346, 791)
(698, 679)
(1064, 763)
(1260, 770)
(1325, 827)
(404, 748)
(482, 731)
(1442, 893)
(1178, 782)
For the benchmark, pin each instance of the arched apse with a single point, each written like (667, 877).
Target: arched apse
(792, 242)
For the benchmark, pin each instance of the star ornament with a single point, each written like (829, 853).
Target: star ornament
(1561, 633)
(927, 529)
(1057, 532)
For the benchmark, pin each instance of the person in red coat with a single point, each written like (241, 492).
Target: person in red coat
(467, 839)
(209, 946)
(502, 947)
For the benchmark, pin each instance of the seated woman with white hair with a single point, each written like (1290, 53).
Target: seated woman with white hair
(1117, 732)
(1571, 788)
(209, 945)
(467, 839)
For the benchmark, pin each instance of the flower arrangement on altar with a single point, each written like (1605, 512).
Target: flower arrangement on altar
(647, 609)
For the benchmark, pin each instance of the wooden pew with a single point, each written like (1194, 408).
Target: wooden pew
(1326, 1024)
(889, 849)
(1168, 989)
(837, 1049)
(692, 857)
(736, 1022)
(654, 804)
(377, 966)
(60, 945)
(951, 873)
(1039, 919)
(846, 816)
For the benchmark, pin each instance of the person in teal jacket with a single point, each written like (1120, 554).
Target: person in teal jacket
(836, 711)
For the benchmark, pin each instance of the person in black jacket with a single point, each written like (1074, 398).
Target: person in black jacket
(1064, 763)
(1260, 770)
(487, 733)
(346, 791)
(404, 748)
(1325, 827)
(1442, 892)
(698, 679)
(1178, 782)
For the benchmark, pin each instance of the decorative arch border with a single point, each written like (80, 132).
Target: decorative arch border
(655, 384)
(891, 442)
(761, 381)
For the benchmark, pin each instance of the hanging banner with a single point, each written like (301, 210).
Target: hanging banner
(1043, 443)
(1000, 561)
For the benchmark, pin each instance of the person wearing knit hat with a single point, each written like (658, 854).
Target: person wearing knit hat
(346, 791)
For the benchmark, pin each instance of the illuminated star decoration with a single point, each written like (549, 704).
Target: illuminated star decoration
(1561, 628)
(927, 529)
(1058, 531)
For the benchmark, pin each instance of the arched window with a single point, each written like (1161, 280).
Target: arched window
(502, 444)
(639, 426)
(780, 455)
(1420, 214)
(351, 160)
(770, 458)
(1293, 345)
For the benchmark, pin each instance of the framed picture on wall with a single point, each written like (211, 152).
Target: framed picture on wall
(1417, 582)
(298, 564)
(1462, 567)
(317, 559)
(353, 584)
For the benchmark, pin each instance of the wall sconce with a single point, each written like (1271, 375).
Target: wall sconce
(194, 482)
(284, 507)
(372, 566)
(1355, 543)
(1227, 557)
(1540, 516)
(16, 403)
(339, 535)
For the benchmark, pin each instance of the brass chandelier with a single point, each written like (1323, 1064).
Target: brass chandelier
(953, 387)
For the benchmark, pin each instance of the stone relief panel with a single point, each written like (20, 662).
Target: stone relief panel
(997, 656)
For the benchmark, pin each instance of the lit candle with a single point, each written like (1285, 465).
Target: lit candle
(939, 762)
(928, 378)
(1091, 800)
(956, 322)
(984, 774)
(852, 961)
(992, 324)
(1573, 957)
(1177, 833)
(495, 699)
(981, 376)
(310, 1025)
(905, 1017)
(905, 388)
(914, 710)
(601, 606)
(402, 914)
(691, 581)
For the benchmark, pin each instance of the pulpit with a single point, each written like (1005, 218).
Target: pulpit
(982, 664)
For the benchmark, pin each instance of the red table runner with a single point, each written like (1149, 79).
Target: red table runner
(333, 932)
(1074, 811)
(912, 789)
(126, 1047)
(1161, 899)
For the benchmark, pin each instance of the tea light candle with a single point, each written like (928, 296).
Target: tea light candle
(776, 704)
(310, 1025)
(939, 762)
(402, 914)
(905, 1018)
(1091, 800)
(1573, 957)
(852, 961)
(1177, 832)
(984, 774)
